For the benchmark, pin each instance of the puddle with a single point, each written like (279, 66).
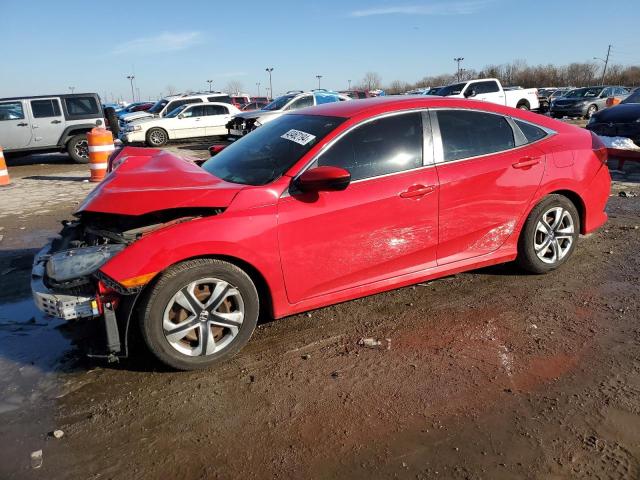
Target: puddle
(32, 349)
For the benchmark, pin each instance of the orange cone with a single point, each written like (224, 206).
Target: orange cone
(100, 147)
(4, 173)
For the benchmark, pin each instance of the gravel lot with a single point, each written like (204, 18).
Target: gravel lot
(490, 374)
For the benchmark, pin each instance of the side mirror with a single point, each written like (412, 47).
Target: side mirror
(323, 179)
(470, 93)
(181, 116)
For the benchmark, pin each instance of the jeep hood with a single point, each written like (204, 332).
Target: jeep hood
(155, 182)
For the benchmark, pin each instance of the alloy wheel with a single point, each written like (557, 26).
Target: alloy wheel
(203, 317)
(82, 149)
(554, 235)
(158, 137)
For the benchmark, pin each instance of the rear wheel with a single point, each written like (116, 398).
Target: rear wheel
(523, 106)
(549, 236)
(78, 148)
(199, 313)
(157, 137)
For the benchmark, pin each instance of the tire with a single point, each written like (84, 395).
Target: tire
(590, 111)
(112, 118)
(533, 256)
(157, 137)
(523, 106)
(78, 148)
(160, 310)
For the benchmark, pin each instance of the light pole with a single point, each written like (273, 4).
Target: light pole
(318, 77)
(138, 92)
(209, 82)
(458, 60)
(258, 85)
(269, 70)
(349, 84)
(131, 78)
(606, 62)
(72, 89)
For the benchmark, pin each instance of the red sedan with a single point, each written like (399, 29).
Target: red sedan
(317, 207)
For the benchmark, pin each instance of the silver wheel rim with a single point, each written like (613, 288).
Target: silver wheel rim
(158, 137)
(554, 235)
(590, 111)
(82, 149)
(203, 317)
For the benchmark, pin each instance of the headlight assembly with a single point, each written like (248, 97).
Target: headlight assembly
(80, 262)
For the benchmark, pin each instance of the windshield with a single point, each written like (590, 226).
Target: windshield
(176, 111)
(633, 98)
(454, 89)
(159, 105)
(584, 93)
(279, 103)
(264, 155)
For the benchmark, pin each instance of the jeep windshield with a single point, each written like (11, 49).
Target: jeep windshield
(159, 105)
(268, 152)
(279, 103)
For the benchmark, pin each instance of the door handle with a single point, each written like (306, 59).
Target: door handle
(22, 124)
(417, 191)
(56, 121)
(35, 126)
(526, 162)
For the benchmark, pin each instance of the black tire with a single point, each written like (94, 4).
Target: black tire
(523, 106)
(157, 137)
(112, 118)
(78, 148)
(528, 258)
(157, 300)
(590, 111)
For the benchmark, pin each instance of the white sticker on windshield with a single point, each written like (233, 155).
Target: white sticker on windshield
(297, 136)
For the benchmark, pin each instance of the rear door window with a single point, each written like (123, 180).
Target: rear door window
(467, 134)
(82, 107)
(45, 108)
(215, 110)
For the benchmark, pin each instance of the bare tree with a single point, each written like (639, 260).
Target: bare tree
(234, 87)
(371, 81)
(171, 90)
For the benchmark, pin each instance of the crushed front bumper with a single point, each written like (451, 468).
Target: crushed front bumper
(55, 304)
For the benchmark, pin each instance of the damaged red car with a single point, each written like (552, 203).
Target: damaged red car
(319, 206)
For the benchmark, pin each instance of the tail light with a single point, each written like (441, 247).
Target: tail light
(599, 148)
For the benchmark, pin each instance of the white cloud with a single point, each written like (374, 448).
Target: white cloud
(161, 43)
(449, 8)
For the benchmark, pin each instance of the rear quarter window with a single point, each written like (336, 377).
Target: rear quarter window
(531, 132)
(82, 107)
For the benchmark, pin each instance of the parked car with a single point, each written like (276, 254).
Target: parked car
(355, 94)
(490, 90)
(320, 206)
(418, 91)
(622, 120)
(168, 104)
(246, 122)
(254, 106)
(186, 121)
(50, 123)
(583, 102)
(547, 95)
(135, 107)
(260, 99)
(240, 101)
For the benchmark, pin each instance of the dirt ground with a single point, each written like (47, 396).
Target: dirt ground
(491, 374)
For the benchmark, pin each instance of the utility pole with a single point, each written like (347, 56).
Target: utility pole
(138, 92)
(131, 78)
(349, 84)
(209, 82)
(72, 89)
(258, 85)
(318, 77)
(606, 62)
(269, 70)
(458, 60)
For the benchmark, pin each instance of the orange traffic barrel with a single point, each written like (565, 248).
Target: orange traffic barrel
(100, 147)
(4, 173)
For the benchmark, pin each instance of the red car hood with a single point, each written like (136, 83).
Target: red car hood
(155, 182)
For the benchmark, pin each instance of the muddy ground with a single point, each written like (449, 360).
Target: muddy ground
(490, 374)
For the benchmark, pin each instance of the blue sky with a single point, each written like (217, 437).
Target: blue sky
(50, 45)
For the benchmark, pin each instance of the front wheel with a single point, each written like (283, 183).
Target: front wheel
(199, 313)
(78, 148)
(549, 236)
(590, 111)
(157, 137)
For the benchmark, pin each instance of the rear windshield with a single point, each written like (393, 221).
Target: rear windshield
(455, 89)
(269, 151)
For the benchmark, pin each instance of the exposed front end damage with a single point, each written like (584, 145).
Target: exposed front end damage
(66, 280)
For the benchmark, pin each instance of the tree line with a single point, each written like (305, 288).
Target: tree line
(518, 73)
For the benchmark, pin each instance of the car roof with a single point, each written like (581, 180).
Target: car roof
(370, 107)
(55, 95)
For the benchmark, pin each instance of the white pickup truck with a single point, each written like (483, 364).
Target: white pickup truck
(490, 90)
